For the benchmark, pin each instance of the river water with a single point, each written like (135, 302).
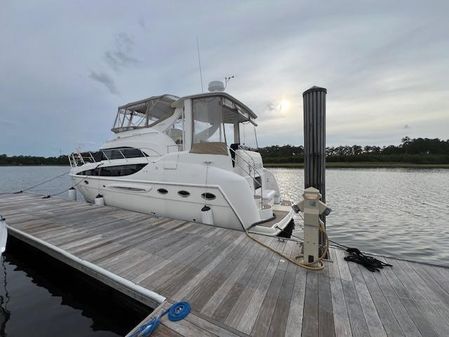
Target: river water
(396, 212)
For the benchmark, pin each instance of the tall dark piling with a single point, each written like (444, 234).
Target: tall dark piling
(315, 141)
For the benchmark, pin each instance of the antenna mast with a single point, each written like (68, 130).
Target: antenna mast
(227, 79)
(199, 63)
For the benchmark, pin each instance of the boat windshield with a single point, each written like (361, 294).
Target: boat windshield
(216, 120)
(144, 113)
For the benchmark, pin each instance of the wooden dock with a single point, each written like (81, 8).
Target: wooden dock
(236, 287)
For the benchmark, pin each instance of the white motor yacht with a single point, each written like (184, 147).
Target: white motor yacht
(182, 158)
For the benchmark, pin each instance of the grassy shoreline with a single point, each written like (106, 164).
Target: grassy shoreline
(362, 165)
(301, 165)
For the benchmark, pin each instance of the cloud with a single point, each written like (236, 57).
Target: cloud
(104, 79)
(121, 55)
(384, 66)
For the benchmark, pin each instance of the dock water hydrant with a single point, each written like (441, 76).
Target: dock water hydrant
(312, 207)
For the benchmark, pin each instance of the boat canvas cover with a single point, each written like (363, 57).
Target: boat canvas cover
(144, 113)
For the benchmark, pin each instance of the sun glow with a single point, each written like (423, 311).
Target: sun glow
(284, 105)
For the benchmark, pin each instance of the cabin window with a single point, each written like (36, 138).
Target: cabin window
(184, 194)
(208, 196)
(113, 171)
(162, 191)
(121, 153)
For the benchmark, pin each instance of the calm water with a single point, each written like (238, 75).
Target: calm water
(40, 297)
(399, 212)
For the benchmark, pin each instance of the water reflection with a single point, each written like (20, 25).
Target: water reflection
(4, 299)
(42, 296)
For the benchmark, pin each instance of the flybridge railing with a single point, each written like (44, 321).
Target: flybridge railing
(251, 170)
(80, 158)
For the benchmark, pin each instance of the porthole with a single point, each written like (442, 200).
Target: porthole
(208, 196)
(162, 191)
(86, 182)
(184, 194)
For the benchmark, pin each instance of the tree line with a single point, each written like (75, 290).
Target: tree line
(32, 160)
(415, 151)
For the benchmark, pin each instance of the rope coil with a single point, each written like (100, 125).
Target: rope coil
(176, 312)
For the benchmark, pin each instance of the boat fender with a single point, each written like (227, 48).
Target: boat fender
(207, 217)
(99, 200)
(72, 194)
(3, 234)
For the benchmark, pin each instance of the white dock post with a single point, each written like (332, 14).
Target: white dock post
(312, 207)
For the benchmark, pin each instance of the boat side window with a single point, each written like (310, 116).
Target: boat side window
(113, 171)
(120, 153)
(132, 153)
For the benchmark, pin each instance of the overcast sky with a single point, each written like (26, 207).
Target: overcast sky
(65, 66)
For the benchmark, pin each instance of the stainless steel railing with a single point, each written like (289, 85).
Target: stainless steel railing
(251, 171)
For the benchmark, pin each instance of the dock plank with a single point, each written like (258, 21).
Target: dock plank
(236, 286)
(340, 312)
(359, 326)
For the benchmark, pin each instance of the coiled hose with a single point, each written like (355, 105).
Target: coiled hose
(176, 312)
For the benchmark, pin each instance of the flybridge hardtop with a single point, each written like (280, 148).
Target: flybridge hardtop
(150, 111)
(186, 158)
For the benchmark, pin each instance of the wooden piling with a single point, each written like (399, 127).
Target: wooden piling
(315, 142)
(315, 139)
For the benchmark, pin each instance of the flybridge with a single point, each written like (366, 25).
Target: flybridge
(144, 113)
(151, 111)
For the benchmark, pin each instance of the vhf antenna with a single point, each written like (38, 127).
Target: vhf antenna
(227, 79)
(199, 63)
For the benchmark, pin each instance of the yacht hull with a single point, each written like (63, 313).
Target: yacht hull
(172, 200)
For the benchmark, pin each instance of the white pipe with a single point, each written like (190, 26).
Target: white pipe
(120, 280)
(3, 234)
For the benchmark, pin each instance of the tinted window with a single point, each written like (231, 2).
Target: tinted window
(183, 193)
(132, 153)
(208, 196)
(114, 171)
(120, 153)
(162, 191)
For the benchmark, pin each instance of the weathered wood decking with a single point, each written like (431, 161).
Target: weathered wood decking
(235, 286)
